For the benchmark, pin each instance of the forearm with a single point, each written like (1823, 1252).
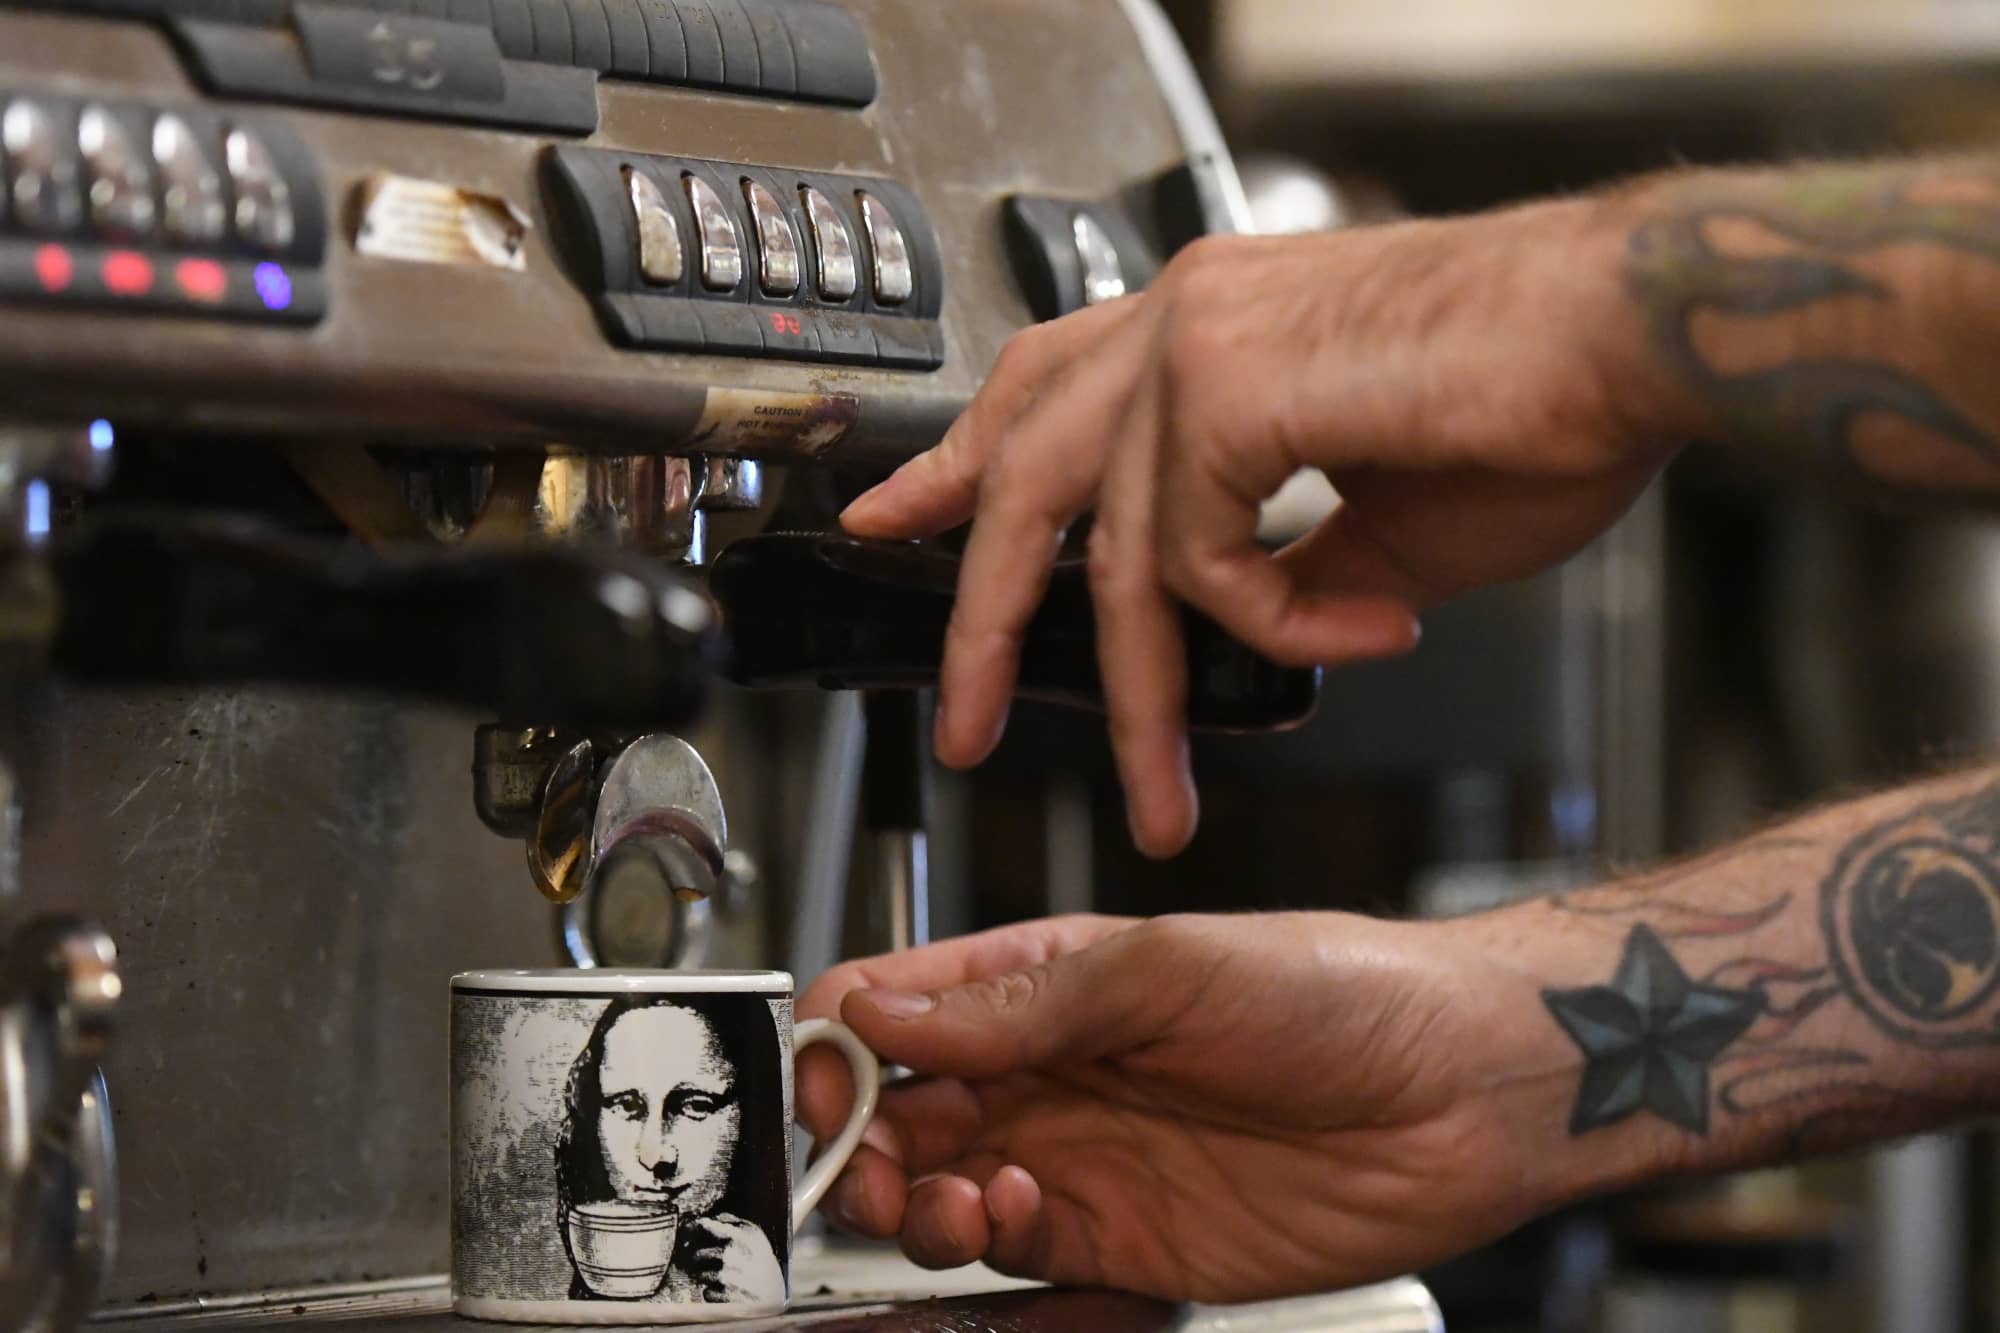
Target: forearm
(1833, 981)
(1843, 315)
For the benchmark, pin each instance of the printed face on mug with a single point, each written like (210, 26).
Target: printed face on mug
(655, 1108)
(621, 1141)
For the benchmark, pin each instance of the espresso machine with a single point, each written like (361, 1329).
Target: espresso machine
(387, 382)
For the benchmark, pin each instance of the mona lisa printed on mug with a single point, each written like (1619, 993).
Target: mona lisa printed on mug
(622, 1144)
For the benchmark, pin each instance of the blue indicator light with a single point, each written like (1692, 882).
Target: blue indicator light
(101, 436)
(274, 286)
(38, 509)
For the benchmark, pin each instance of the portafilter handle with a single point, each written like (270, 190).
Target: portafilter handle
(805, 609)
(556, 634)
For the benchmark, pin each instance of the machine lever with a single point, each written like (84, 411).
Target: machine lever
(816, 609)
(553, 634)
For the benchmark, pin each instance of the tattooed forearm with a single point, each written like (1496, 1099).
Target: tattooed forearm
(1818, 974)
(1867, 253)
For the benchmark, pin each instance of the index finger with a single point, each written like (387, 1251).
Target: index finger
(954, 962)
(939, 488)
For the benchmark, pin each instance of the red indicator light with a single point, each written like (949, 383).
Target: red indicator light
(202, 280)
(127, 274)
(53, 268)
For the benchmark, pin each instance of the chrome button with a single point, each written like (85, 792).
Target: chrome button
(192, 210)
(890, 253)
(121, 184)
(661, 258)
(1103, 270)
(721, 249)
(777, 243)
(45, 190)
(263, 200)
(838, 276)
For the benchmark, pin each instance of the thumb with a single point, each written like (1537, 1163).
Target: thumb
(1068, 1010)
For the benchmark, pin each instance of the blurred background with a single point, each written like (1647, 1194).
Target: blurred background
(1742, 645)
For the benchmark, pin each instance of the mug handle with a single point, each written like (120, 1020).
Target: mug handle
(867, 1072)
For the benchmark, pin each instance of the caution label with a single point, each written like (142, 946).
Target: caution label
(759, 421)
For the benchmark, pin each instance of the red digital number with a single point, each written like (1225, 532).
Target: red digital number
(784, 323)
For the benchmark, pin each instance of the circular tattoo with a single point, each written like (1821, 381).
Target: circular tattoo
(1913, 926)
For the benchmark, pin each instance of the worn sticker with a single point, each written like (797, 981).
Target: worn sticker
(430, 222)
(757, 420)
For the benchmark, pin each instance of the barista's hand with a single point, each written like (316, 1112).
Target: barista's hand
(1473, 388)
(1208, 1108)
(733, 1260)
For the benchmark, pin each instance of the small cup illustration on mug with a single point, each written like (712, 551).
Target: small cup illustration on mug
(622, 1251)
(621, 1141)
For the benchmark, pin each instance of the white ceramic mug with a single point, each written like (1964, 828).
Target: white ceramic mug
(621, 1144)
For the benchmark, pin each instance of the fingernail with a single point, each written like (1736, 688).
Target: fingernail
(902, 1004)
(999, 730)
(860, 503)
(882, 1139)
(846, 1207)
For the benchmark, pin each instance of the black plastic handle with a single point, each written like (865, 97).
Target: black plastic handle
(549, 635)
(814, 609)
(892, 765)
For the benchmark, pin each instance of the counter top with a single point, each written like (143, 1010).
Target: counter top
(841, 1288)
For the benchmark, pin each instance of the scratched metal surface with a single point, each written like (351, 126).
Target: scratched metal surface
(291, 881)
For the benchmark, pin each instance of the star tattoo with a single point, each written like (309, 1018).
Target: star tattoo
(1649, 1037)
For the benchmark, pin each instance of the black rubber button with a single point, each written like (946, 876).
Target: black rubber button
(831, 51)
(774, 47)
(902, 343)
(590, 35)
(671, 322)
(513, 29)
(741, 68)
(629, 55)
(730, 328)
(843, 338)
(551, 24)
(665, 45)
(704, 43)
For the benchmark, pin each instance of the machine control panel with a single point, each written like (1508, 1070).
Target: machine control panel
(521, 63)
(174, 209)
(695, 256)
(686, 262)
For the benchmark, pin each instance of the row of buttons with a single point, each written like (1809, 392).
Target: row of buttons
(131, 175)
(662, 258)
(445, 57)
(709, 256)
(161, 209)
(665, 323)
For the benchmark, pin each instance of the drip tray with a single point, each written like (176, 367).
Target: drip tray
(840, 1288)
